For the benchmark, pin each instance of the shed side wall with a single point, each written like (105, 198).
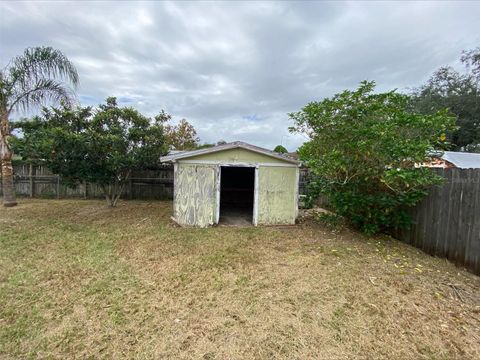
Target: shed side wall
(277, 203)
(195, 194)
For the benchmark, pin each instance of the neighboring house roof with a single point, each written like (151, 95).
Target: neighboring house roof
(462, 160)
(233, 145)
(293, 155)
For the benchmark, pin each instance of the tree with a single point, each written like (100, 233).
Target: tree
(100, 146)
(280, 149)
(471, 59)
(28, 146)
(460, 93)
(37, 77)
(362, 151)
(210, 145)
(182, 136)
(205, 146)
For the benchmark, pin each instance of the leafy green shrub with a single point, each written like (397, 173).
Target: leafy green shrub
(332, 221)
(280, 149)
(314, 189)
(363, 151)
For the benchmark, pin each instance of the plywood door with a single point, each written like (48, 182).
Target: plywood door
(277, 195)
(195, 195)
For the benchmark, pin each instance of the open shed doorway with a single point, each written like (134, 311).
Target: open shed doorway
(237, 186)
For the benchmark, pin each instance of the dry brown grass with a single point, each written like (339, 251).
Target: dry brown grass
(79, 280)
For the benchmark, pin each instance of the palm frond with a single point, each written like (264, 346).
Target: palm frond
(43, 63)
(40, 93)
(31, 76)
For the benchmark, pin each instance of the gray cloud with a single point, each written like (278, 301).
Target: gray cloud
(236, 69)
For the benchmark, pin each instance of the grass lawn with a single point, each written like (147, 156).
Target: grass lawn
(79, 280)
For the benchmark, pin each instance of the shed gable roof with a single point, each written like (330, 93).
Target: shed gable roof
(232, 145)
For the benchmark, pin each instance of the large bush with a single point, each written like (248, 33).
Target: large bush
(100, 146)
(363, 149)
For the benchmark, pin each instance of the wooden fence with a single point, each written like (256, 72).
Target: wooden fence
(447, 221)
(304, 178)
(37, 181)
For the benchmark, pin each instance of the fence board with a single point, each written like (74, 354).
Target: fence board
(447, 221)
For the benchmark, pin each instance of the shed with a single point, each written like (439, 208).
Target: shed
(234, 183)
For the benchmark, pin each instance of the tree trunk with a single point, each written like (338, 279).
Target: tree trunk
(121, 186)
(7, 180)
(107, 192)
(114, 190)
(6, 157)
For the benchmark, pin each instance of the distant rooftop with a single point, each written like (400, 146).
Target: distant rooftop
(462, 160)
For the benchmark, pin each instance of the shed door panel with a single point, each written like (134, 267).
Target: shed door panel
(195, 194)
(277, 203)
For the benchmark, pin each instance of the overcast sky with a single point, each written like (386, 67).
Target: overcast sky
(236, 69)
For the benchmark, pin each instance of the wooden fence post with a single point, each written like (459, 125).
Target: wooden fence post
(130, 189)
(58, 187)
(32, 180)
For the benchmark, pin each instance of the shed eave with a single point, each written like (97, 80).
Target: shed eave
(233, 145)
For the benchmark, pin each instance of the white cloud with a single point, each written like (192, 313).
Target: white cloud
(236, 69)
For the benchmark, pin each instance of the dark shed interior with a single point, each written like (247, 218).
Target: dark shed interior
(237, 186)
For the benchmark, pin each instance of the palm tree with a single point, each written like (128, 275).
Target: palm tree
(37, 77)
